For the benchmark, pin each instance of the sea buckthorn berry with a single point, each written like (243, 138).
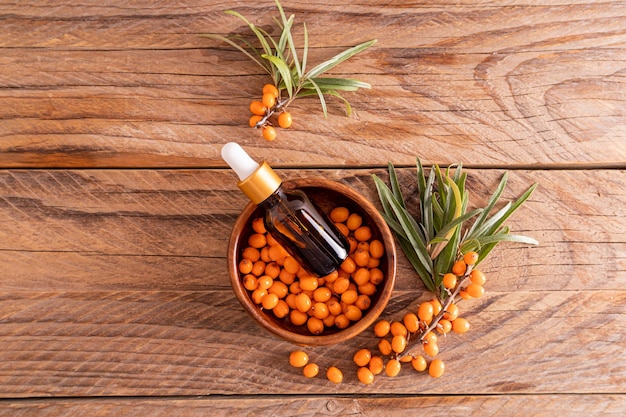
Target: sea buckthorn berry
(361, 257)
(257, 107)
(279, 288)
(320, 310)
(419, 363)
(353, 313)
(258, 268)
(334, 375)
(376, 365)
(444, 326)
(475, 290)
(349, 297)
(250, 282)
(449, 281)
(294, 288)
(309, 283)
(436, 368)
(384, 346)
(251, 253)
(265, 254)
(431, 349)
(361, 276)
(269, 301)
(265, 282)
(291, 265)
(272, 270)
(303, 302)
(285, 120)
(398, 329)
(459, 268)
(334, 306)
(269, 133)
(268, 100)
(430, 337)
(343, 229)
(411, 322)
(405, 359)
(341, 285)
(245, 266)
(365, 375)
(322, 294)
(460, 325)
(315, 325)
(348, 265)
(367, 289)
(329, 321)
(436, 306)
(470, 258)
(363, 233)
(310, 370)
(362, 357)
(297, 317)
(354, 221)
(376, 276)
(339, 214)
(254, 120)
(382, 328)
(377, 249)
(373, 263)
(393, 367)
(452, 312)
(425, 312)
(270, 240)
(257, 240)
(341, 321)
(363, 302)
(398, 344)
(281, 310)
(257, 295)
(270, 88)
(277, 252)
(465, 295)
(298, 358)
(477, 277)
(258, 226)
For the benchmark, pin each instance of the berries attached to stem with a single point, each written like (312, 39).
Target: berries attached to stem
(269, 106)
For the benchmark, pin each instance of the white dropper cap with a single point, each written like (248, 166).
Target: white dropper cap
(258, 182)
(239, 160)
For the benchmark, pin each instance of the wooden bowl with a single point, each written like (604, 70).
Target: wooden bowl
(326, 195)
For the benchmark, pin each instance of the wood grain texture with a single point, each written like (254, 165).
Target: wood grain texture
(131, 83)
(116, 285)
(388, 406)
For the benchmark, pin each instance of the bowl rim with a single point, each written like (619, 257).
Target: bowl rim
(356, 327)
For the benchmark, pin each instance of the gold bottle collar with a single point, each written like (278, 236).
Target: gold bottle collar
(261, 184)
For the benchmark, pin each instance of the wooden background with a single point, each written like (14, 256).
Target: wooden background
(115, 207)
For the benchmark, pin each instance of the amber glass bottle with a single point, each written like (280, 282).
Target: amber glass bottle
(290, 216)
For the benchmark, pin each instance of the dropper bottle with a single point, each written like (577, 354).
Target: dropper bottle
(290, 216)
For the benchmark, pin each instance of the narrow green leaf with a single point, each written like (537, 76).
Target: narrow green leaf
(338, 59)
(305, 48)
(490, 205)
(284, 71)
(238, 47)
(290, 42)
(320, 94)
(395, 184)
(345, 84)
(255, 30)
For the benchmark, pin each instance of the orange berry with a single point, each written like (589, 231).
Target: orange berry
(459, 268)
(254, 120)
(436, 368)
(377, 249)
(385, 347)
(285, 120)
(382, 328)
(398, 329)
(460, 325)
(419, 363)
(365, 375)
(334, 375)
(452, 312)
(269, 133)
(411, 322)
(475, 290)
(470, 258)
(303, 302)
(425, 312)
(298, 358)
(376, 365)
(477, 277)
(315, 325)
(339, 214)
(465, 295)
(281, 310)
(297, 317)
(257, 240)
(398, 344)
(268, 100)
(436, 306)
(363, 233)
(444, 326)
(354, 221)
(449, 281)
(393, 367)
(245, 266)
(256, 107)
(362, 357)
(250, 282)
(431, 349)
(269, 301)
(311, 370)
(270, 88)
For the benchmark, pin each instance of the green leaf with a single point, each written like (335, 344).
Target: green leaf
(259, 34)
(284, 71)
(490, 205)
(345, 84)
(320, 94)
(287, 31)
(338, 59)
(395, 184)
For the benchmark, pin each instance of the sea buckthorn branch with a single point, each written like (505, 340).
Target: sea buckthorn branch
(280, 59)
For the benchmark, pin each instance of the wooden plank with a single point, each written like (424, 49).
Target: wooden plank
(114, 284)
(392, 406)
(134, 229)
(99, 87)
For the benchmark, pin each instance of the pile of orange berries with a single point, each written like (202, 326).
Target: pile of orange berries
(276, 281)
(262, 110)
(425, 326)
(430, 321)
